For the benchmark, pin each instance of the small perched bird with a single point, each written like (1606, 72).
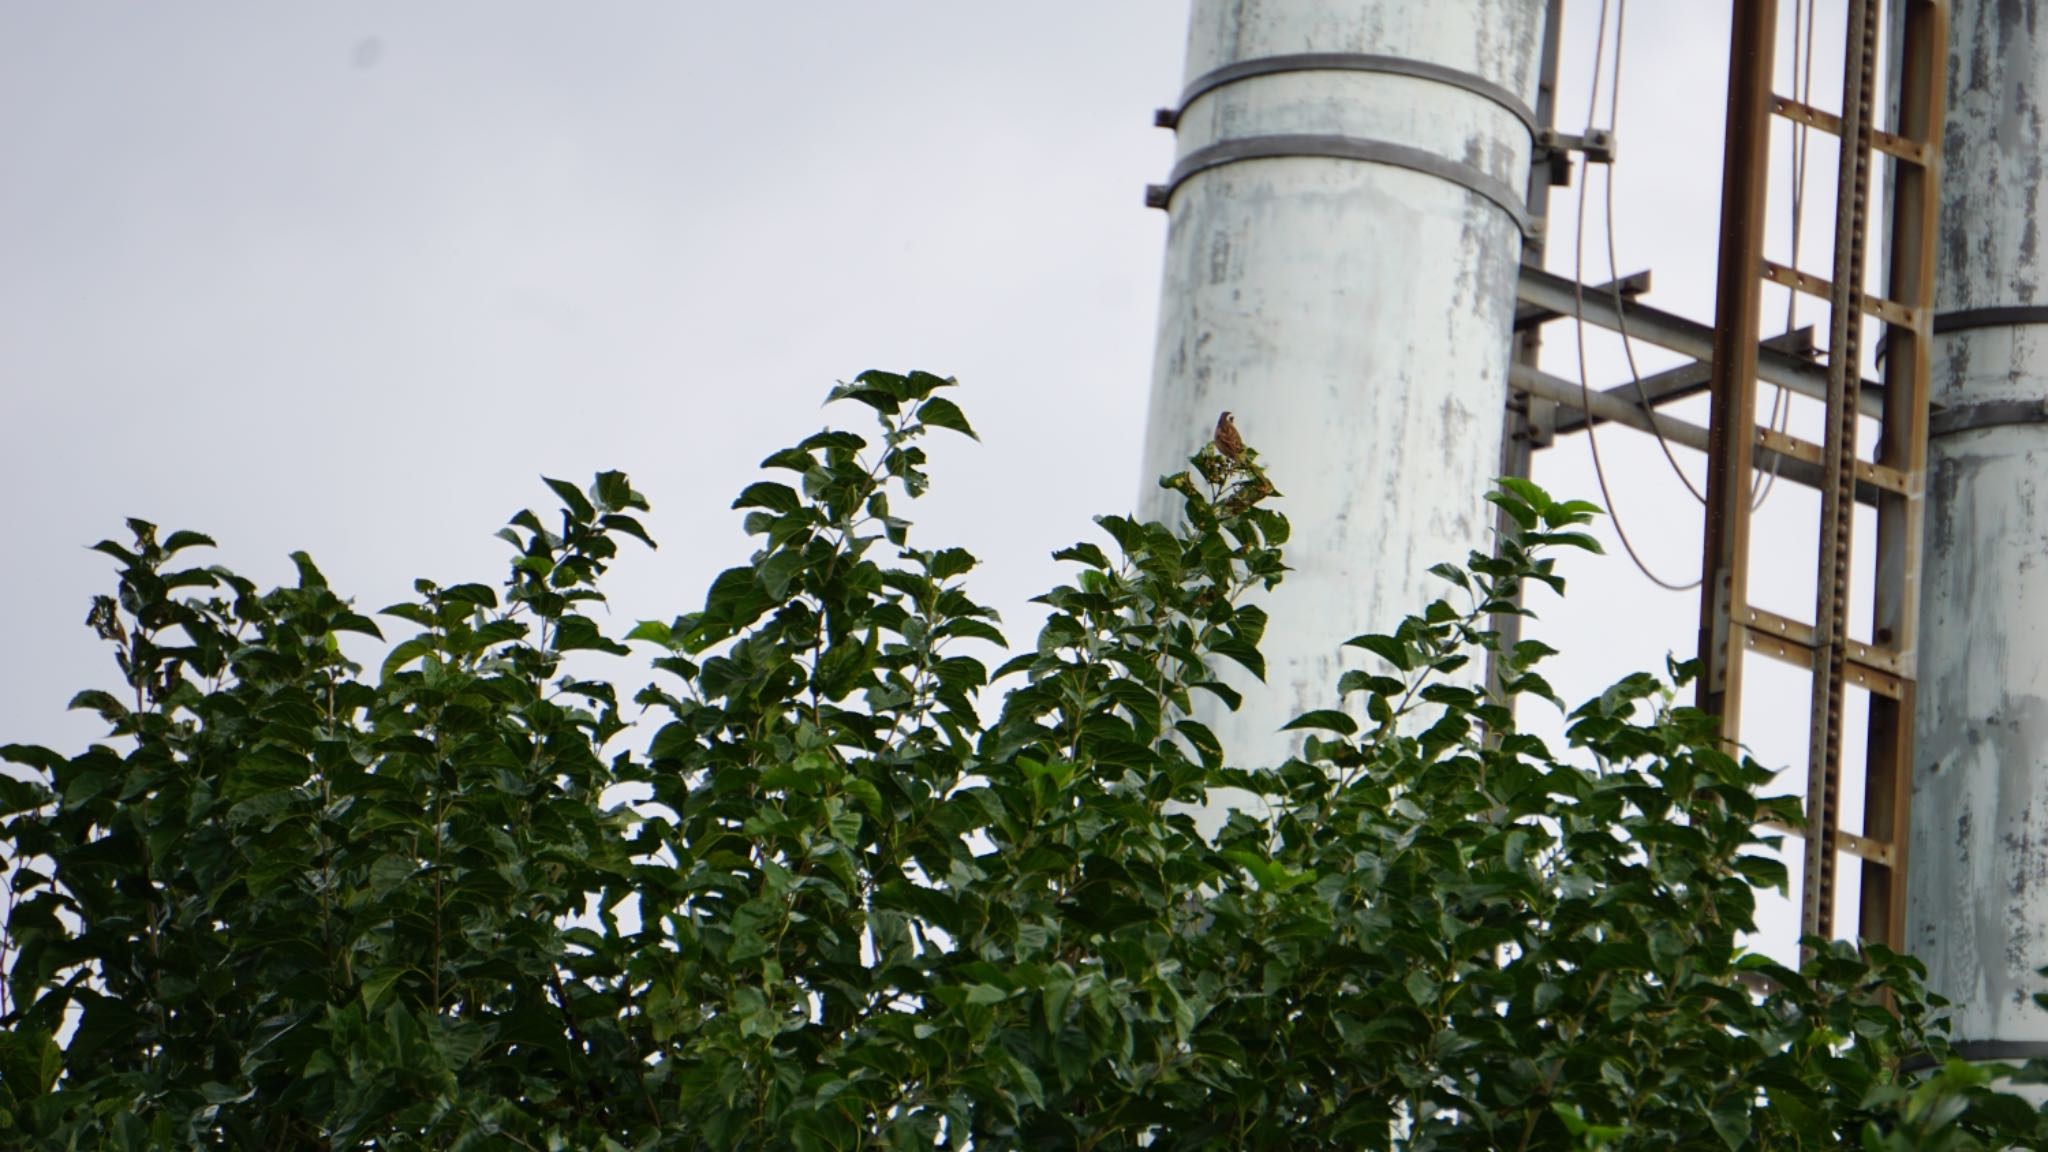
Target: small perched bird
(1228, 441)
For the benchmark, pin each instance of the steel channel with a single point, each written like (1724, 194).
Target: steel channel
(1738, 296)
(1831, 589)
(1528, 417)
(1554, 294)
(1922, 29)
(1673, 384)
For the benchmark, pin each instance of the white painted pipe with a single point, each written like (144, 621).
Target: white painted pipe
(1977, 888)
(1354, 313)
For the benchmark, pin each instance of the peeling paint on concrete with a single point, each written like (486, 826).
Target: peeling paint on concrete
(1358, 319)
(1977, 905)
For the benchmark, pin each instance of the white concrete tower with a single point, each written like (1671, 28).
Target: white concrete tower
(1347, 214)
(1977, 883)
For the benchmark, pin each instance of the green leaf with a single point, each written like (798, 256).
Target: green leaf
(378, 986)
(1271, 876)
(474, 595)
(940, 412)
(1526, 491)
(1452, 573)
(309, 575)
(615, 492)
(182, 539)
(578, 506)
(1518, 510)
(830, 441)
(405, 653)
(18, 796)
(887, 401)
(1241, 652)
(1231, 697)
(1579, 540)
(94, 700)
(574, 633)
(1387, 648)
(654, 632)
(1323, 720)
(627, 525)
(947, 563)
(766, 494)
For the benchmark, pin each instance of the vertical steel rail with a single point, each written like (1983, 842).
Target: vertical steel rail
(1838, 497)
(1528, 418)
(1738, 297)
(1902, 444)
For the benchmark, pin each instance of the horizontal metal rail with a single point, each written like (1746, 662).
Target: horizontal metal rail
(1678, 383)
(1552, 292)
(1605, 406)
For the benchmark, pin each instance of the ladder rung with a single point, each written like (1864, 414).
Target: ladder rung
(1801, 633)
(1876, 681)
(1794, 652)
(1862, 847)
(1890, 143)
(1876, 475)
(1889, 311)
(1870, 668)
(1783, 627)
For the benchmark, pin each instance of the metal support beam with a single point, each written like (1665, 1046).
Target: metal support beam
(1529, 316)
(1549, 291)
(1660, 388)
(1793, 460)
(1736, 360)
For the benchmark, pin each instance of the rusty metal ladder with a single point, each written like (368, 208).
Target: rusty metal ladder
(1893, 481)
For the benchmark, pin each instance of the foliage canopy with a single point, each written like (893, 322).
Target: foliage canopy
(829, 905)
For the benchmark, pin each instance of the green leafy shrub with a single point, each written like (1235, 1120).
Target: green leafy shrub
(819, 902)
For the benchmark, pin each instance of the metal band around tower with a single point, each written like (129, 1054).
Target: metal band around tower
(1955, 418)
(1986, 414)
(1500, 192)
(1229, 74)
(2006, 316)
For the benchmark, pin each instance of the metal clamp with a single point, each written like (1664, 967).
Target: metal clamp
(1986, 414)
(1554, 150)
(1209, 81)
(2011, 316)
(1357, 148)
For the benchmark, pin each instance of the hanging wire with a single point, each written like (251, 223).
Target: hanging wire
(1802, 145)
(1628, 348)
(1579, 307)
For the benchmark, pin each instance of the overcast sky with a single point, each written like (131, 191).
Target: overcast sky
(351, 278)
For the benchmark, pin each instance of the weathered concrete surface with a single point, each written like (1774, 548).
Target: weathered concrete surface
(1354, 316)
(1977, 905)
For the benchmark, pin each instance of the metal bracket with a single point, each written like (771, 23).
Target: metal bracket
(1503, 196)
(1598, 144)
(1719, 633)
(1986, 414)
(1209, 81)
(1555, 149)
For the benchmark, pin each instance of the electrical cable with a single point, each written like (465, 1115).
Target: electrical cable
(1579, 309)
(1802, 147)
(1628, 348)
